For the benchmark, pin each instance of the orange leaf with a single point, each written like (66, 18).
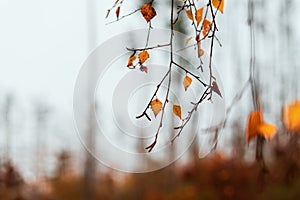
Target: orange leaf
(255, 119)
(201, 52)
(199, 13)
(187, 82)
(291, 117)
(130, 60)
(189, 14)
(156, 106)
(118, 12)
(143, 56)
(218, 4)
(177, 110)
(148, 12)
(267, 130)
(206, 27)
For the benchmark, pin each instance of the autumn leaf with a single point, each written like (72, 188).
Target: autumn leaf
(199, 13)
(177, 110)
(156, 106)
(206, 27)
(255, 119)
(291, 117)
(200, 51)
(215, 88)
(118, 12)
(188, 39)
(143, 56)
(187, 82)
(131, 59)
(218, 4)
(256, 126)
(267, 130)
(148, 12)
(189, 14)
(144, 69)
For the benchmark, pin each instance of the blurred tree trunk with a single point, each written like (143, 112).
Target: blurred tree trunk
(89, 166)
(7, 121)
(41, 112)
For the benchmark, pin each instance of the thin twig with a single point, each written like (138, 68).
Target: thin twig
(151, 146)
(192, 74)
(149, 48)
(120, 18)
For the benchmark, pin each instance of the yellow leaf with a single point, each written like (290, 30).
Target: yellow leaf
(189, 14)
(156, 106)
(143, 56)
(199, 13)
(267, 130)
(218, 4)
(118, 12)
(177, 110)
(255, 119)
(131, 59)
(291, 117)
(148, 12)
(187, 82)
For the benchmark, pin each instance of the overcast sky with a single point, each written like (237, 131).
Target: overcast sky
(43, 44)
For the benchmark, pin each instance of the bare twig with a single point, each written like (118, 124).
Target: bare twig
(149, 48)
(124, 16)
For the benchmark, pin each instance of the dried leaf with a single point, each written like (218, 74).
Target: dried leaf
(215, 88)
(131, 59)
(218, 4)
(187, 82)
(148, 12)
(291, 117)
(199, 13)
(143, 56)
(189, 14)
(255, 119)
(144, 69)
(206, 27)
(200, 51)
(118, 12)
(177, 110)
(156, 106)
(267, 130)
(188, 39)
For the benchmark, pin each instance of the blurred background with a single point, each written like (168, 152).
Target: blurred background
(43, 45)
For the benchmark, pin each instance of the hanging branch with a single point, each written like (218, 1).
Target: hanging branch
(205, 30)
